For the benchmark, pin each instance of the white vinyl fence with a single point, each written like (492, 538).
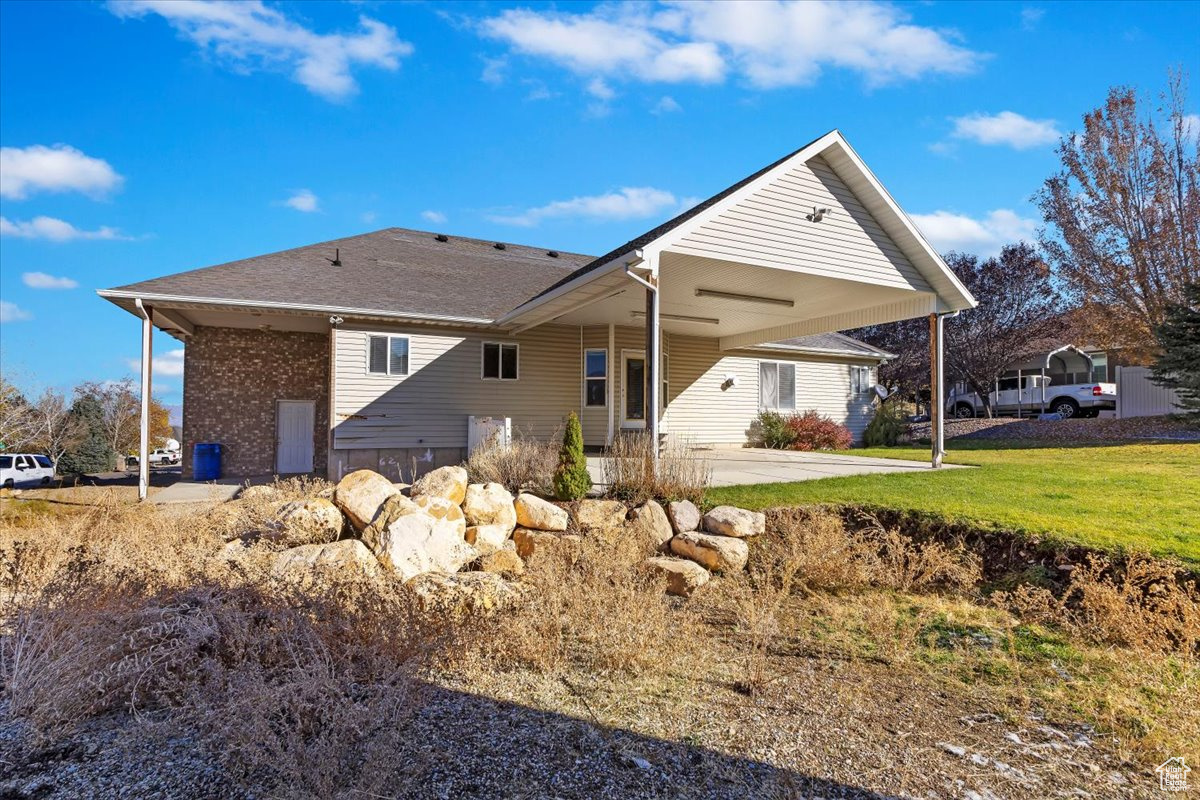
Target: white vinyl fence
(1138, 396)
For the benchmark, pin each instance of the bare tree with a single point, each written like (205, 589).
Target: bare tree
(907, 372)
(18, 423)
(57, 428)
(1015, 317)
(1123, 216)
(119, 406)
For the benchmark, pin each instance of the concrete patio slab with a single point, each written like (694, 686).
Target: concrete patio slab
(205, 492)
(742, 466)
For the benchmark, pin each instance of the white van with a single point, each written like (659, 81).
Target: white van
(24, 470)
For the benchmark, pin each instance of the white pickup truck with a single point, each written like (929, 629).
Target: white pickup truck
(161, 456)
(1032, 394)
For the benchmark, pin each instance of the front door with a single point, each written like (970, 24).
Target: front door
(294, 436)
(633, 389)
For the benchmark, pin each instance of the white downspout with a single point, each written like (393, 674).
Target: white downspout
(653, 332)
(147, 360)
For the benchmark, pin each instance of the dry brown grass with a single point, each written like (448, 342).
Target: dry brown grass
(526, 464)
(129, 610)
(630, 474)
(1142, 602)
(589, 610)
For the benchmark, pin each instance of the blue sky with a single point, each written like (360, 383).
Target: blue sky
(142, 139)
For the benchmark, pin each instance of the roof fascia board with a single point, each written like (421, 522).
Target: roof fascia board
(115, 294)
(631, 257)
(821, 351)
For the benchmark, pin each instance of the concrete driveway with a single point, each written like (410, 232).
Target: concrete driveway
(741, 466)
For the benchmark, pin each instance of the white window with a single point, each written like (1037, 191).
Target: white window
(860, 380)
(777, 385)
(387, 355)
(500, 361)
(595, 378)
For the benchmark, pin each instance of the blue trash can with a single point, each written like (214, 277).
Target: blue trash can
(206, 461)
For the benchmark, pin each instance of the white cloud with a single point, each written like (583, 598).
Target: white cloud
(167, 365)
(435, 217)
(494, 70)
(41, 280)
(302, 200)
(666, 105)
(1007, 127)
(1030, 17)
(767, 44)
(1191, 124)
(247, 35)
(369, 216)
(948, 231)
(600, 90)
(11, 312)
(56, 230)
(61, 168)
(627, 203)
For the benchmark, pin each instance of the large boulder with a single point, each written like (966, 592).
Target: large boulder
(731, 521)
(447, 513)
(717, 553)
(503, 561)
(264, 492)
(487, 538)
(467, 593)
(683, 576)
(348, 557)
(489, 504)
(361, 494)
(312, 521)
(684, 515)
(648, 523)
(414, 543)
(541, 515)
(546, 544)
(446, 482)
(603, 519)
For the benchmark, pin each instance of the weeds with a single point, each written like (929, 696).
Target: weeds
(630, 474)
(525, 464)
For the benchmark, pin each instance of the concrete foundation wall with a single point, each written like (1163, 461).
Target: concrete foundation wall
(233, 379)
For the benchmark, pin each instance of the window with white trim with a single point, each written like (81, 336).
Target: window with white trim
(777, 385)
(387, 355)
(860, 380)
(500, 361)
(595, 378)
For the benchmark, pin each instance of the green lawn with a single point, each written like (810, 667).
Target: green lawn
(1140, 496)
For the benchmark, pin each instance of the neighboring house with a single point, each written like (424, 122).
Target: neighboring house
(372, 351)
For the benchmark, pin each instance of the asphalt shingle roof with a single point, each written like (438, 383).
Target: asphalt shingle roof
(395, 270)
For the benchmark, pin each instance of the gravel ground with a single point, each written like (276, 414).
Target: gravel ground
(1068, 431)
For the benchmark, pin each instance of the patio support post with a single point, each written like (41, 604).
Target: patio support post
(652, 366)
(144, 433)
(610, 363)
(937, 385)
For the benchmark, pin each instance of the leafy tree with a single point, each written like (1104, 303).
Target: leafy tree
(121, 408)
(1123, 216)
(1179, 337)
(571, 479)
(1014, 321)
(93, 452)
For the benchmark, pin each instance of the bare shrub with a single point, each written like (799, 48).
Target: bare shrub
(589, 609)
(1141, 602)
(630, 474)
(525, 464)
(824, 554)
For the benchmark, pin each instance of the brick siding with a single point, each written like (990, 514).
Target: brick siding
(233, 378)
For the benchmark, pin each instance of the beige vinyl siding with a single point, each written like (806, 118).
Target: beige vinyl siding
(429, 406)
(594, 420)
(769, 228)
(702, 411)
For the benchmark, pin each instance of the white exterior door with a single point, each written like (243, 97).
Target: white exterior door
(294, 431)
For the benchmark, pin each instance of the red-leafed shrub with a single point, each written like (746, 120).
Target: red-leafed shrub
(811, 431)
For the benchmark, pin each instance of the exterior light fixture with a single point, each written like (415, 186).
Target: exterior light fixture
(749, 298)
(817, 214)
(682, 318)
